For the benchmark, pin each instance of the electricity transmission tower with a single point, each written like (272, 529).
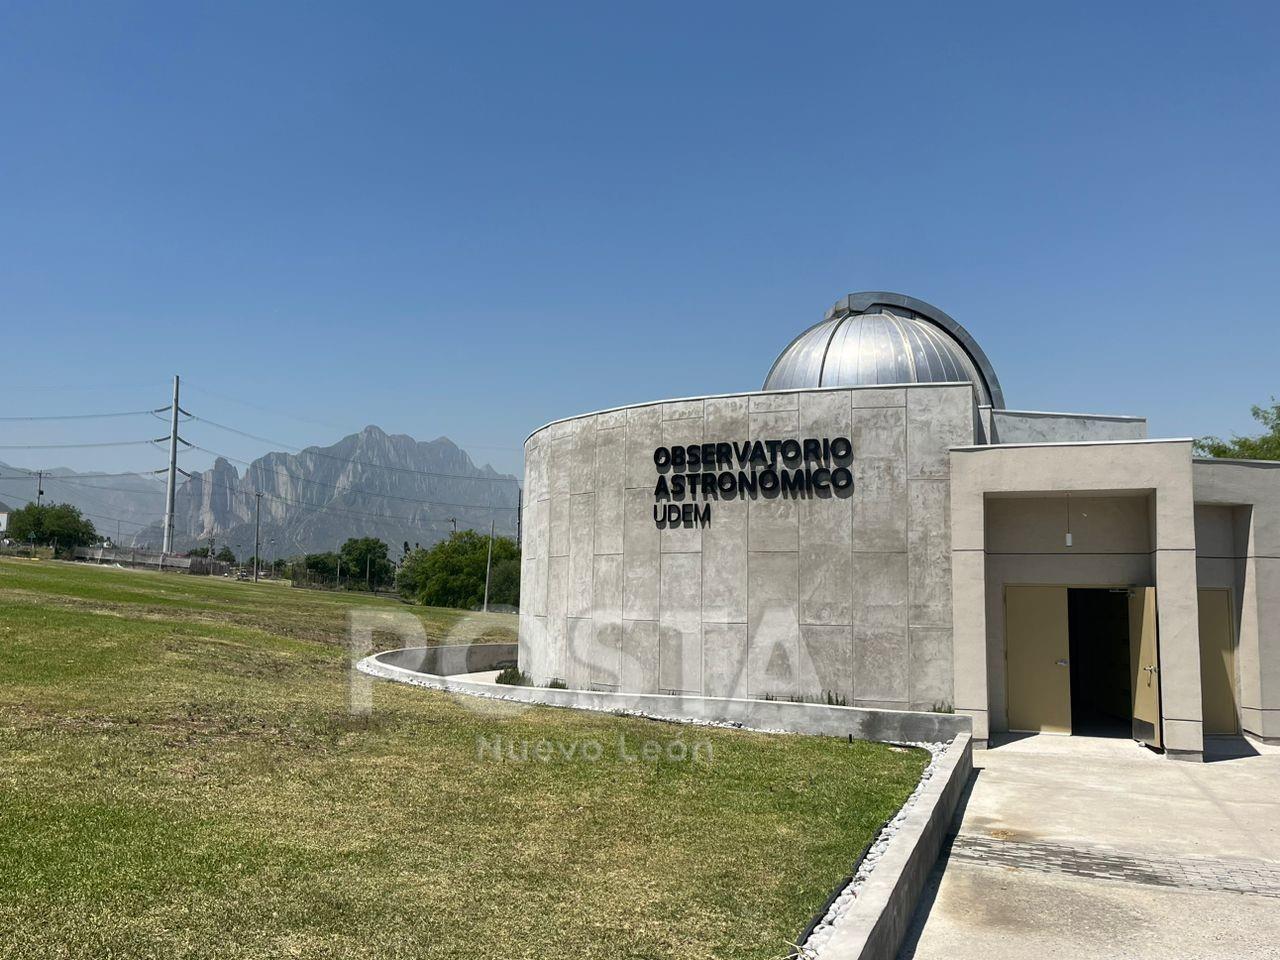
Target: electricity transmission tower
(171, 488)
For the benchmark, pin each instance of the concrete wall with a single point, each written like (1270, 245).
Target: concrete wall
(1031, 426)
(891, 726)
(780, 597)
(1161, 469)
(1111, 538)
(1238, 546)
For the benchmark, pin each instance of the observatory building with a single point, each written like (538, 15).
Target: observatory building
(874, 527)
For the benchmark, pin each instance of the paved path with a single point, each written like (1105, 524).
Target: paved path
(1084, 848)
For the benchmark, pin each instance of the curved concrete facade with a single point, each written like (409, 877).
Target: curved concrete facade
(814, 593)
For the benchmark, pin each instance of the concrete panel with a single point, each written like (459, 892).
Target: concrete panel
(644, 435)
(879, 593)
(680, 538)
(774, 524)
(558, 472)
(879, 504)
(826, 589)
(582, 515)
(725, 419)
(606, 657)
(609, 419)
(771, 402)
(579, 651)
(607, 612)
(610, 482)
(536, 478)
(680, 624)
(825, 414)
(880, 669)
(532, 647)
(931, 672)
(582, 455)
(640, 561)
(682, 410)
(724, 660)
(827, 655)
(879, 433)
(930, 550)
(640, 656)
(724, 564)
(773, 608)
(938, 418)
(1020, 426)
(878, 396)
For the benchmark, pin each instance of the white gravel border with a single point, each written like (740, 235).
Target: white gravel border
(813, 947)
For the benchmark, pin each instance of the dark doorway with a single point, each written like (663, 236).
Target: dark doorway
(1098, 632)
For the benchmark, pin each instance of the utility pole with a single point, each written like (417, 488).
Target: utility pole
(368, 584)
(257, 541)
(454, 521)
(488, 568)
(39, 487)
(172, 488)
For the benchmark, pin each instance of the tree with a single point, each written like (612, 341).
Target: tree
(321, 566)
(451, 574)
(1265, 446)
(54, 523)
(198, 552)
(225, 555)
(365, 561)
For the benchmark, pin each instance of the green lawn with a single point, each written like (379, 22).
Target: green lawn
(180, 777)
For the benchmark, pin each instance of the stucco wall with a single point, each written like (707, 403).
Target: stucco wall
(1238, 545)
(848, 596)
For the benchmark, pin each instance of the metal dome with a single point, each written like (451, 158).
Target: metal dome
(884, 338)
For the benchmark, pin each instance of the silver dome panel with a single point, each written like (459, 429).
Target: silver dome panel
(879, 338)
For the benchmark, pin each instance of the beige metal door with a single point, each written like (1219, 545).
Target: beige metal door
(1144, 666)
(1037, 647)
(1217, 662)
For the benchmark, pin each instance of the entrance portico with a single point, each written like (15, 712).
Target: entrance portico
(1061, 516)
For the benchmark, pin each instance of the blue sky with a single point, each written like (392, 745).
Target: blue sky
(471, 220)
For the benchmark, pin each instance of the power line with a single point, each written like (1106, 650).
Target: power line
(320, 423)
(90, 486)
(98, 516)
(69, 446)
(78, 416)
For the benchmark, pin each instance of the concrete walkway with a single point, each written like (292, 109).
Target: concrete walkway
(1073, 847)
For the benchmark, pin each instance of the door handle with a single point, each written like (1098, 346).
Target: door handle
(1061, 663)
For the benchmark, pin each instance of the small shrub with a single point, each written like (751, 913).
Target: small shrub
(942, 706)
(515, 677)
(557, 684)
(836, 699)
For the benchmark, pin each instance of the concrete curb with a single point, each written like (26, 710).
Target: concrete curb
(875, 924)
(891, 726)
